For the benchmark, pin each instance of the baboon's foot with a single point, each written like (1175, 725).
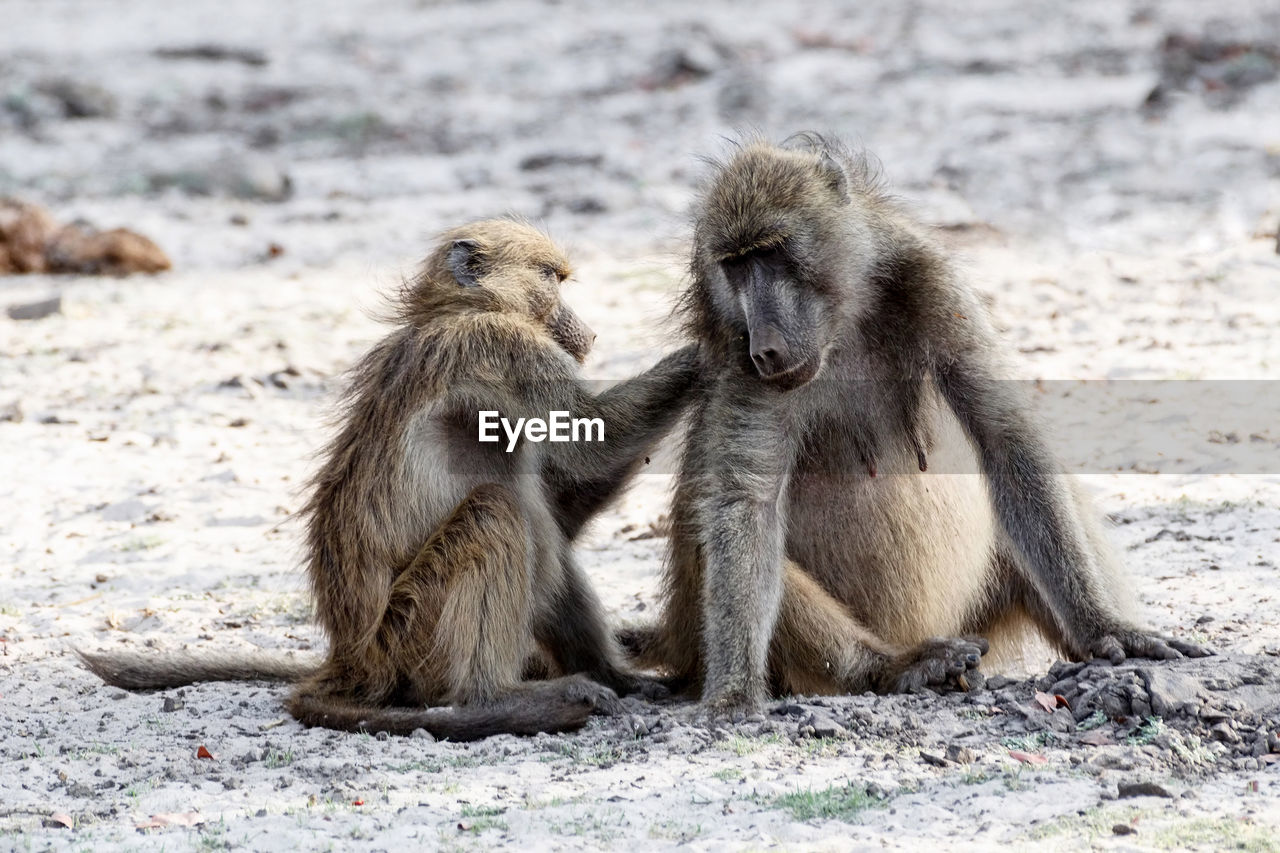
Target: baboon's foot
(730, 704)
(625, 684)
(600, 699)
(1119, 645)
(937, 663)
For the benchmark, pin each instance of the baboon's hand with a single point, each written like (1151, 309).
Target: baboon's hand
(937, 663)
(601, 699)
(1122, 644)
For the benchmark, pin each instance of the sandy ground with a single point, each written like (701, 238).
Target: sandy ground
(1115, 193)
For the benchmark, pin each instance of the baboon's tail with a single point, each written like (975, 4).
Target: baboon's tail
(518, 715)
(136, 670)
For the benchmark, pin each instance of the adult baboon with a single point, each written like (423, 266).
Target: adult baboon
(442, 566)
(810, 550)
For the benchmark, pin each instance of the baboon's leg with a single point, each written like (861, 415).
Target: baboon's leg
(1015, 595)
(573, 630)
(817, 646)
(456, 629)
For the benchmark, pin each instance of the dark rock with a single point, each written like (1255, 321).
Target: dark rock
(172, 704)
(935, 760)
(80, 100)
(538, 162)
(35, 310)
(585, 205)
(214, 53)
(1123, 829)
(1142, 789)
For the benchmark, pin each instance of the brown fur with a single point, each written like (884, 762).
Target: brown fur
(441, 567)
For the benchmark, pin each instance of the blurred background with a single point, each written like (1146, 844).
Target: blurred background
(238, 132)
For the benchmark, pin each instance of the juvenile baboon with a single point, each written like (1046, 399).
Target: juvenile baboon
(810, 550)
(441, 567)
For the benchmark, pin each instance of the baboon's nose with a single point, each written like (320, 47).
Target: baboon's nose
(769, 351)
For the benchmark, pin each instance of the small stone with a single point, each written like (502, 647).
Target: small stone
(1123, 829)
(935, 760)
(1223, 732)
(1064, 669)
(824, 726)
(171, 704)
(245, 176)
(35, 310)
(423, 734)
(80, 100)
(383, 736)
(960, 754)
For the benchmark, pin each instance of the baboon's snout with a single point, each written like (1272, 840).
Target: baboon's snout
(770, 352)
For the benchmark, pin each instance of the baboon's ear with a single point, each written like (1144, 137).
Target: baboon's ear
(835, 177)
(464, 262)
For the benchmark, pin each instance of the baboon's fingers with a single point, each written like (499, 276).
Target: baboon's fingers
(980, 642)
(1191, 650)
(939, 662)
(1139, 644)
(651, 688)
(1108, 647)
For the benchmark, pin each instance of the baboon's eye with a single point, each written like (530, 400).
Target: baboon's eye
(552, 274)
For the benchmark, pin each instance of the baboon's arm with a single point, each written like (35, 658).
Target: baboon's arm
(738, 516)
(584, 476)
(1036, 510)
(572, 628)
(521, 376)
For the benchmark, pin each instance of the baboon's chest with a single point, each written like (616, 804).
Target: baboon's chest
(866, 428)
